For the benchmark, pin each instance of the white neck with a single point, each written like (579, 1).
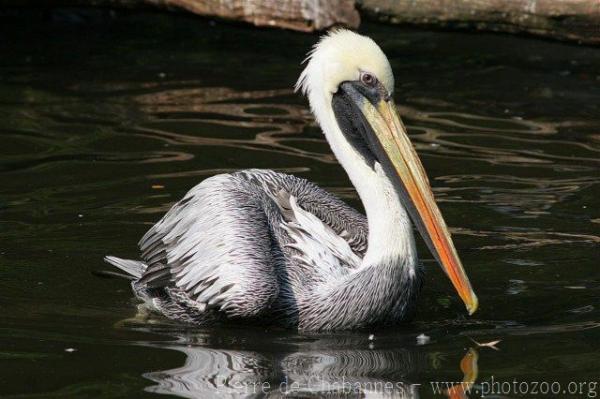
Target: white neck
(390, 230)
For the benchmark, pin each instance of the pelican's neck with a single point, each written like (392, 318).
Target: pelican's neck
(390, 231)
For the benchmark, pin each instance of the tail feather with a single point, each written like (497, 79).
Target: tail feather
(133, 267)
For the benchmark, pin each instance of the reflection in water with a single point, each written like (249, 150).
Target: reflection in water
(470, 369)
(331, 366)
(209, 373)
(314, 369)
(356, 371)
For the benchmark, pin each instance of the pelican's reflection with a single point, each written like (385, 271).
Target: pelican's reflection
(209, 373)
(310, 371)
(354, 373)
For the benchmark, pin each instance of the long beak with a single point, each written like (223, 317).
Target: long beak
(401, 160)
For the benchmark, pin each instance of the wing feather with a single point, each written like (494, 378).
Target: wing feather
(219, 246)
(215, 251)
(325, 235)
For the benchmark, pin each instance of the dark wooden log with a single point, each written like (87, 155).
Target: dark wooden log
(577, 20)
(301, 15)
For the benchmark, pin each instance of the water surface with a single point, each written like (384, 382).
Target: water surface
(108, 121)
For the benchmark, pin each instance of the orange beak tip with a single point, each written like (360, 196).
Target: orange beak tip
(473, 304)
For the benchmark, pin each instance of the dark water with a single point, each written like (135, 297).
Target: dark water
(106, 122)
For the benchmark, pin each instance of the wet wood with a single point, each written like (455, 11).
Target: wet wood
(301, 15)
(577, 20)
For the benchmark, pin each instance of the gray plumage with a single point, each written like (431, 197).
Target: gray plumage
(258, 245)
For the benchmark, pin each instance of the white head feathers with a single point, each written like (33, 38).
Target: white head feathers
(341, 55)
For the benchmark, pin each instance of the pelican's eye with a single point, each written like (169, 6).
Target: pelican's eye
(368, 79)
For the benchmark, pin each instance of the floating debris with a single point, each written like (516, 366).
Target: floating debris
(491, 344)
(423, 339)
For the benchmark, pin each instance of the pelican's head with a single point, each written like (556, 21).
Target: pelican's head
(350, 85)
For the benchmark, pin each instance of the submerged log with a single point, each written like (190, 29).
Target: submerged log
(577, 20)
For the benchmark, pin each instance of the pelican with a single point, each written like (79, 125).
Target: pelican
(261, 246)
